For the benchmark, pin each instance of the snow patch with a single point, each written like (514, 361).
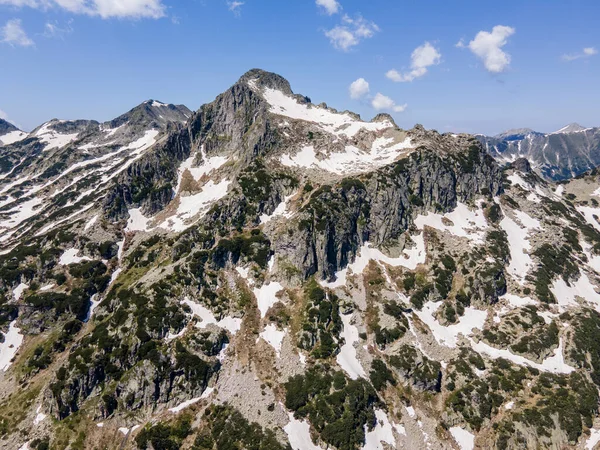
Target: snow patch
(137, 221)
(352, 160)
(464, 439)
(192, 205)
(230, 324)
(266, 296)
(346, 358)
(207, 392)
(274, 338)
(12, 137)
(554, 363)
(298, 432)
(410, 259)
(566, 295)
(281, 210)
(465, 222)
(520, 261)
(18, 291)
(70, 257)
(8, 349)
(335, 123)
(448, 336)
(382, 433)
(90, 223)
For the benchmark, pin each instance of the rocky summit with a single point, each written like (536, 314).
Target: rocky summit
(266, 273)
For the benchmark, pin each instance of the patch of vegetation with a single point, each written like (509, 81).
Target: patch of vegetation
(224, 428)
(322, 323)
(337, 407)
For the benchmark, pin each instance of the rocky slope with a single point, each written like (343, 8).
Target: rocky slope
(268, 273)
(561, 155)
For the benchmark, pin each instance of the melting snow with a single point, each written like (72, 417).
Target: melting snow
(192, 205)
(208, 165)
(517, 180)
(281, 210)
(137, 221)
(8, 349)
(266, 296)
(207, 392)
(346, 358)
(90, 223)
(383, 432)
(18, 291)
(590, 215)
(554, 364)
(231, 324)
(343, 124)
(520, 261)
(273, 337)
(70, 257)
(12, 137)
(352, 160)
(54, 139)
(410, 259)
(464, 439)
(39, 418)
(593, 439)
(465, 223)
(565, 294)
(448, 336)
(298, 432)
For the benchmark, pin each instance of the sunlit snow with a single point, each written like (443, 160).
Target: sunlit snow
(8, 349)
(467, 223)
(70, 257)
(464, 439)
(346, 358)
(298, 432)
(266, 296)
(231, 324)
(273, 337)
(448, 336)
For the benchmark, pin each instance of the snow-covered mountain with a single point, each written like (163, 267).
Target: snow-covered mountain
(268, 273)
(563, 154)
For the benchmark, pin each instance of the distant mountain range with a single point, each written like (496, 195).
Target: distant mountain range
(560, 155)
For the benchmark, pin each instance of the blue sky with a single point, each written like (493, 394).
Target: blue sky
(517, 63)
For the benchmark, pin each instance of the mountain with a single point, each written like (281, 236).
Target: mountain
(273, 274)
(564, 154)
(9, 133)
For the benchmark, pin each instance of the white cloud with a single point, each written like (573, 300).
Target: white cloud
(359, 88)
(55, 30)
(422, 57)
(488, 47)
(12, 33)
(351, 32)
(586, 53)
(383, 103)
(235, 7)
(134, 9)
(331, 7)
(3, 115)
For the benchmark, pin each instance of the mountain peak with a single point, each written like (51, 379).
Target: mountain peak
(261, 78)
(571, 128)
(7, 127)
(515, 132)
(154, 112)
